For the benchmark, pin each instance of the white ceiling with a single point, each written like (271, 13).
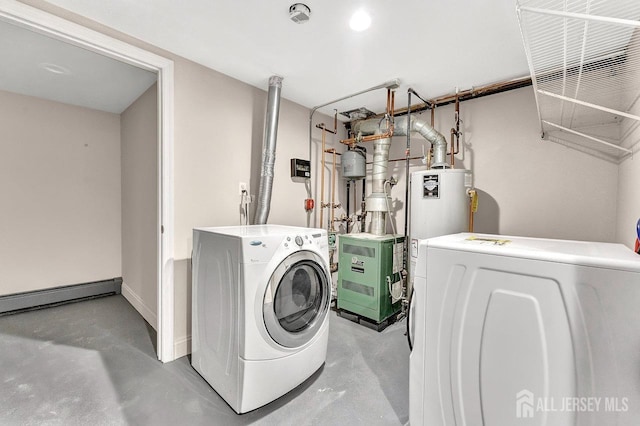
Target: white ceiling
(433, 46)
(93, 81)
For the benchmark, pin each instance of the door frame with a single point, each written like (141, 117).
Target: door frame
(34, 19)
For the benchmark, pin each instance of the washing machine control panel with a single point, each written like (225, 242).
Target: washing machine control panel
(299, 241)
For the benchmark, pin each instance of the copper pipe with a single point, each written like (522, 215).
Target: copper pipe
(466, 95)
(324, 150)
(489, 89)
(333, 184)
(369, 138)
(433, 116)
(322, 180)
(457, 142)
(388, 134)
(335, 121)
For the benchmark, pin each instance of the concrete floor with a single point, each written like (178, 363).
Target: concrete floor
(94, 363)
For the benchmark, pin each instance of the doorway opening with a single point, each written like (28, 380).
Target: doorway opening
(60, 30)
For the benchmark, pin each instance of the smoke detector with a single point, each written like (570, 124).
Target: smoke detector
(299, 13)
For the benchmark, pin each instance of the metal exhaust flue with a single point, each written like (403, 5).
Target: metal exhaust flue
(377, 201)
(269, 150)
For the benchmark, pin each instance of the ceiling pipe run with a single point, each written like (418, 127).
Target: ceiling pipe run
(269, 150)
(466, 95)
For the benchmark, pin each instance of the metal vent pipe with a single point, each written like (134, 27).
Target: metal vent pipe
(378, 201)
(425, 130)
(269, 150)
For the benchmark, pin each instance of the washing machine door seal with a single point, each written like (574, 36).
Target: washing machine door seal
(297, 299)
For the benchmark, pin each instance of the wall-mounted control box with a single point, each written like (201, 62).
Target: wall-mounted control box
(300, 168)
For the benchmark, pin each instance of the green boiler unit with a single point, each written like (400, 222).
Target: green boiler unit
(368, 265)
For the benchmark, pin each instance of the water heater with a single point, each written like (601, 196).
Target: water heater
(439, 206)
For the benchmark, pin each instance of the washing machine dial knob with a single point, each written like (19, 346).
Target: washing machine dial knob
(299, 241)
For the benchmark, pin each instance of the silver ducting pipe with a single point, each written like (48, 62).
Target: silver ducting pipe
(378, 201)
(269, 150)
(436, 139)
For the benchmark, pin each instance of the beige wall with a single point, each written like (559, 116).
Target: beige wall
(527, 186)
(139, 145)
(219, 133)
(628, 207)
(540, 188)
(628, 202)
(60, 191)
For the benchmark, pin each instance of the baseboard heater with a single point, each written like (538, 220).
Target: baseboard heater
(14, 303)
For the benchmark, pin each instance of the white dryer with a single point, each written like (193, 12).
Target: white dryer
(260, 303)
(525, 331)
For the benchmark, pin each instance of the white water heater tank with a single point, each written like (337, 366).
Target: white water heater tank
(439, 206)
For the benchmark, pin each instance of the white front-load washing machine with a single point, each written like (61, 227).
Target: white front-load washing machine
(260, 304)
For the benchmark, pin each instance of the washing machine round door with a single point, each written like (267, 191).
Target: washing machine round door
(297, 299)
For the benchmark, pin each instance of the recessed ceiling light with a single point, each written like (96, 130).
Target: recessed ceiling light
(53, 68)
(360, 21)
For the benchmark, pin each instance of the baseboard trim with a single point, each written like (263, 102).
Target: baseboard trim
(139, 305)
(38, 299)
(182, 347)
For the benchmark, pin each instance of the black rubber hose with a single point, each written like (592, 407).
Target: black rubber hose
(408, 319)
